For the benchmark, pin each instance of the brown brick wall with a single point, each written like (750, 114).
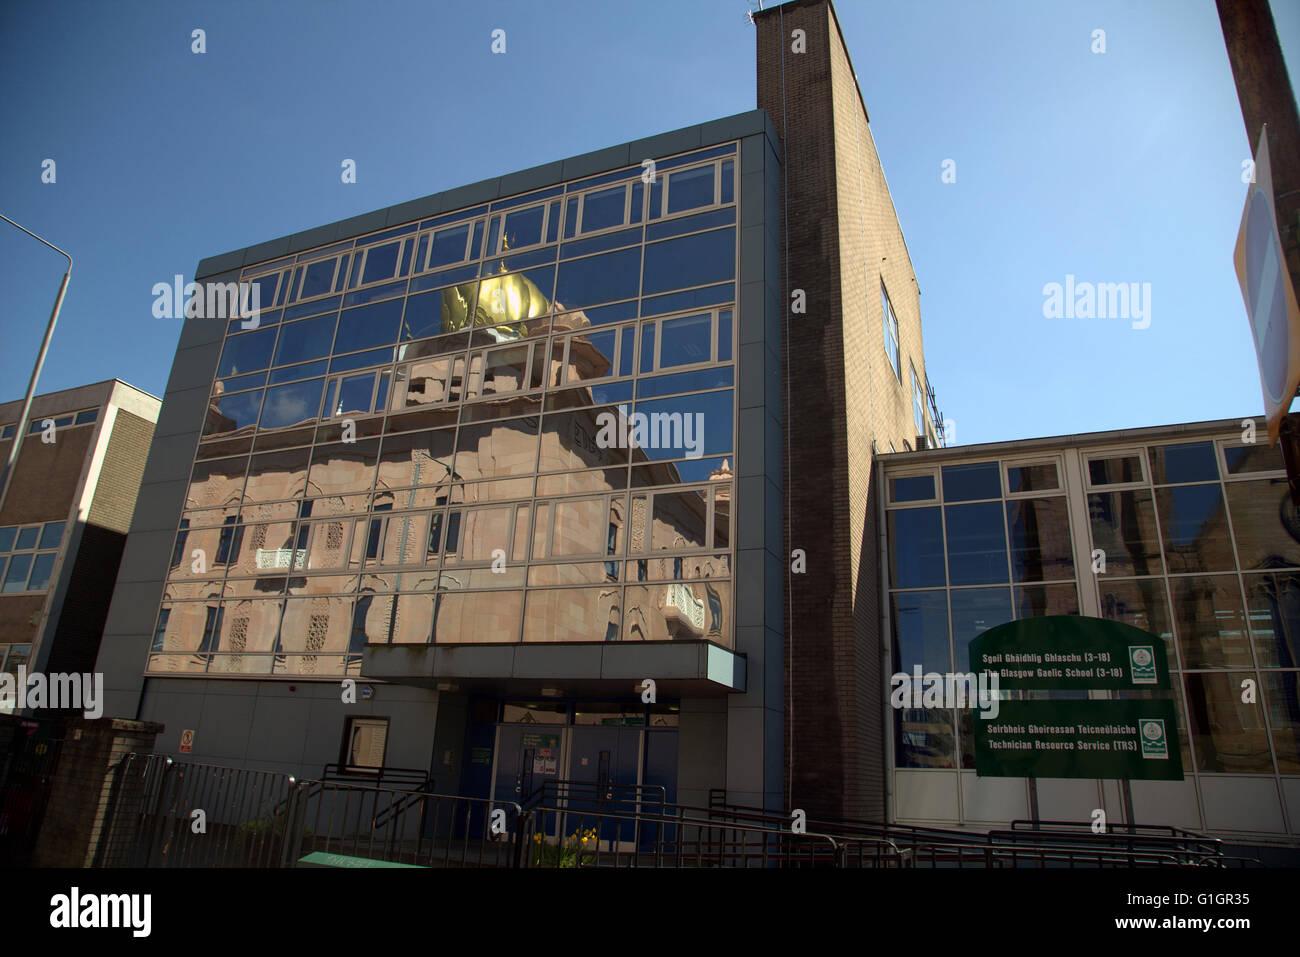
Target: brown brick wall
(123, 468)
(47, 476)
(20, 616)
(843, 237)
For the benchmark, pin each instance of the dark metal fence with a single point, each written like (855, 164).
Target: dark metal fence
(164, 813)
(267, 819)
(29, 757)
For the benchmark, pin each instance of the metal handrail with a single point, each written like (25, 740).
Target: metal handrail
(770, 845)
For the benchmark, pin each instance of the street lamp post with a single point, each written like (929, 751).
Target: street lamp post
(20, 431)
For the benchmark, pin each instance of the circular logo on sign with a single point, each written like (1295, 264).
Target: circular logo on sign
(1151, 730)
(1142, 657)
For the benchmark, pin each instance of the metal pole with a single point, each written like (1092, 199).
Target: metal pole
(20, 430)
(1264, 92)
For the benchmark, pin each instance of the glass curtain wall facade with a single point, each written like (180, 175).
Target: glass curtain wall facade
(511, 423)
(1201, 546)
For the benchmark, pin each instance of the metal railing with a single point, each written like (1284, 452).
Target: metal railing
(269, 819)
(419, 828)
(1025, 844)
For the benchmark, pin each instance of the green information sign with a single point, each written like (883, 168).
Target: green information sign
(1126, 740)
(1071, 652)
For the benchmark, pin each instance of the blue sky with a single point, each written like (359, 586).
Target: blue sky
(1115, 167)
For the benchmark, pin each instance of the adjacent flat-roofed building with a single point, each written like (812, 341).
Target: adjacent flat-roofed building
(504, 453)
(1201, 546)
(66, 519)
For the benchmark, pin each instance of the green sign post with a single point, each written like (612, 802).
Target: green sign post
(1071, 653)
(1128, 740)
(1123, 740)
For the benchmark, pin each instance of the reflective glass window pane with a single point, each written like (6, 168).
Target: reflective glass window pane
(915, 548)
(977, 544)
(591, 355)
(603, 209)
(1032, 478)
(1210, 622)
(685, 341)
(368, 326)
(648, 347)
(1194, 523)
(911, 488)
(292, 404)
(381, 262)
(1189, 462)
(27, 537)
(924, 738)
(314, 308)
(690, 189)
(51, 534)
(695, 260)
(90, 415)
(920, 625)
(231, 412)
(1273, 601)
(975, 611)
(728, 181)
(359, 360)
(523, 227)
(424, 315)
(496, 449)
(1124, 528)
(1040, 539)
(597, 279)
(573, 614)
(301, 341)
(1253, 458)
(492, 617)
(344, 467)
(215, 484)
(1117, 470)
(1282, 699)
(1228, 736)
(688, 426)
(16, 575)
(354, 394)
(1266, 524)
(304, 370)
(965, 483)
(7, 536)
(41, 568)
(679, 520)
(1037, 601)
(248, 352)
(276, 476)
(265, 288)
(318, 279)
(1141, 603)
(448, 246)
(724, 336)
(700, 379)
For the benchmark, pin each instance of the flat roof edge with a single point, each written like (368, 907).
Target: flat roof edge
(686, 139)
(1142, 433)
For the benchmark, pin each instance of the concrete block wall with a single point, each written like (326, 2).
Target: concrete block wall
(79, 795)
